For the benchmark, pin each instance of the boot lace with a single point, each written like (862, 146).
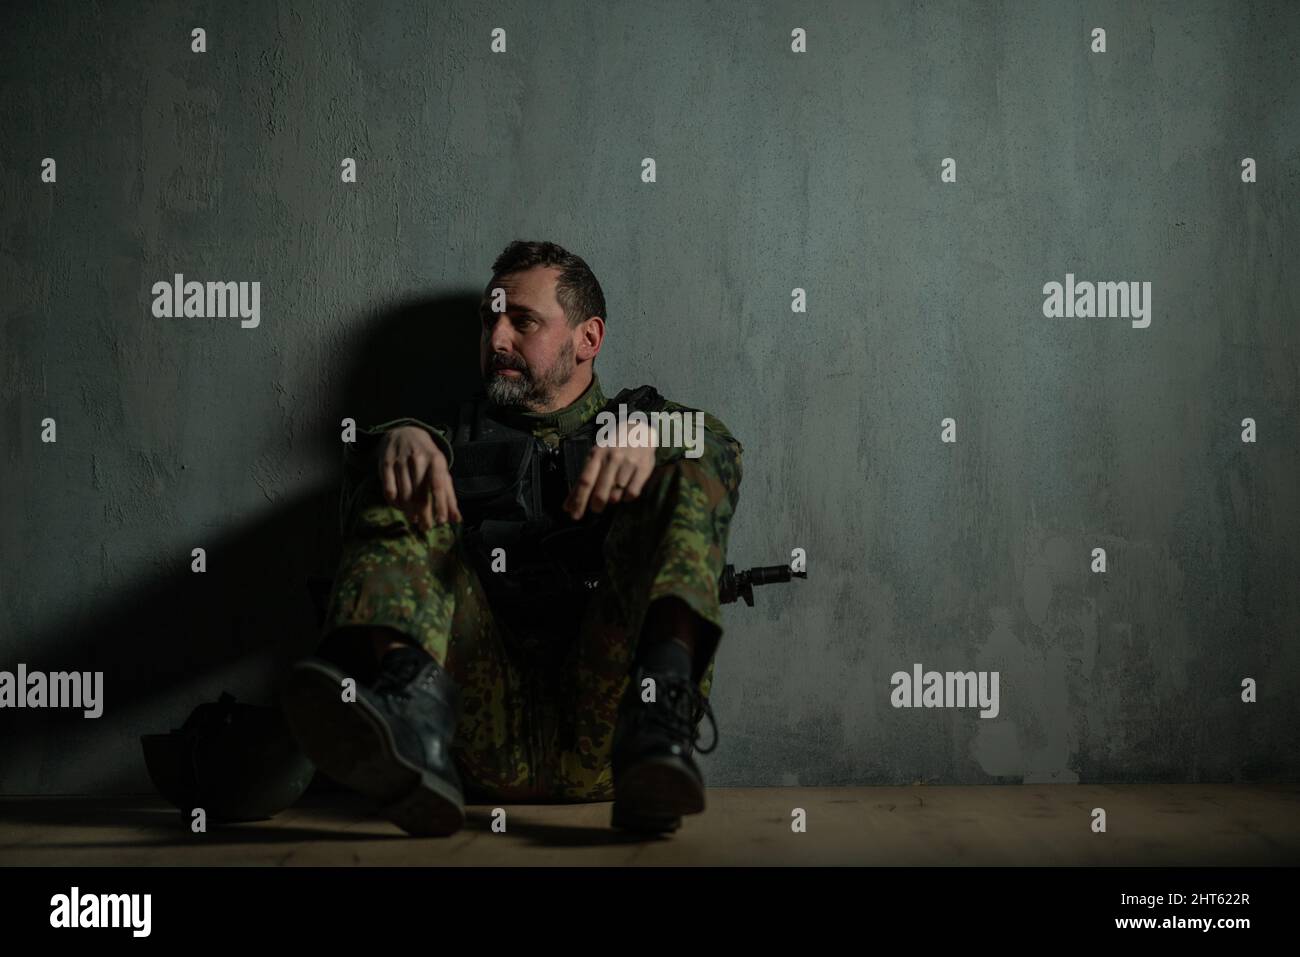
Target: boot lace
(684, 709)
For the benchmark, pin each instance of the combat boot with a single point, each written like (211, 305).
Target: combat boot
(656, 780)
(392, 744)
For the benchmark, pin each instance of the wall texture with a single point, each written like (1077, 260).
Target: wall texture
(776, 170)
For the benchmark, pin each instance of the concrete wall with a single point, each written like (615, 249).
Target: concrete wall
(775, 170)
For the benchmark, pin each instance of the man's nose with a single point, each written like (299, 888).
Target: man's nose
(499, 338)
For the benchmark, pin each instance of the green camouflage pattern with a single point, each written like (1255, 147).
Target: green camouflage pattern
(538, 724)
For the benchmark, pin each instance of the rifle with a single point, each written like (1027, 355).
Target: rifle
(734, 584)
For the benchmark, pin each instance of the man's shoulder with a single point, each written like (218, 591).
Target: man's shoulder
(657, 402)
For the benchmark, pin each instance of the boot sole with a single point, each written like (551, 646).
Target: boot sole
(653, 794)
(352, 743)
(626, 820)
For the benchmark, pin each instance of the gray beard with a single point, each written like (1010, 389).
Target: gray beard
(528, 392)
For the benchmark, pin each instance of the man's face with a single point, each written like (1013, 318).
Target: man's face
(526, 353)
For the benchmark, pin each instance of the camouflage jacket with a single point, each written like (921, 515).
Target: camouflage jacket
(721, 451)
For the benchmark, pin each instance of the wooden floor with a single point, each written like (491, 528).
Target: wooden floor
(998, 825)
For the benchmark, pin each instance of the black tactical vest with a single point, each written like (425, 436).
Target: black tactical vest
(510, 487)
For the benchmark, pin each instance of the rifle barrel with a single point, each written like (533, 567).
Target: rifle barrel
(769, 574)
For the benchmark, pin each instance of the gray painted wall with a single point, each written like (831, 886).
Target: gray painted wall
(775, 171)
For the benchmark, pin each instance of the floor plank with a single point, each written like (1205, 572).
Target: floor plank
(1216, 824)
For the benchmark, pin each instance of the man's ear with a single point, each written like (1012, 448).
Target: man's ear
(592, 334)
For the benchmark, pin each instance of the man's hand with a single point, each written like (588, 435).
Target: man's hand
(414, 474)
(613, 473)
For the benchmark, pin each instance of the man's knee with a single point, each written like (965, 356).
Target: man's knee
(693, 492)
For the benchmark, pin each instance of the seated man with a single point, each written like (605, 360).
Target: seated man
(525, 611)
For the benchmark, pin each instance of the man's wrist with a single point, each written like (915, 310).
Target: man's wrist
(438, 435)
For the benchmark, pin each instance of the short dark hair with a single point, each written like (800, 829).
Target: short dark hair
(577, 290)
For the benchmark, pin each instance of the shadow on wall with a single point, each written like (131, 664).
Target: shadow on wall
(417, 360)
(179, 628)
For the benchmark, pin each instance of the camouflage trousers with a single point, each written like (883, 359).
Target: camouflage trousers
(534, 729)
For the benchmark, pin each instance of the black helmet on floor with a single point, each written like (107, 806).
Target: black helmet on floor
(236, 761)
